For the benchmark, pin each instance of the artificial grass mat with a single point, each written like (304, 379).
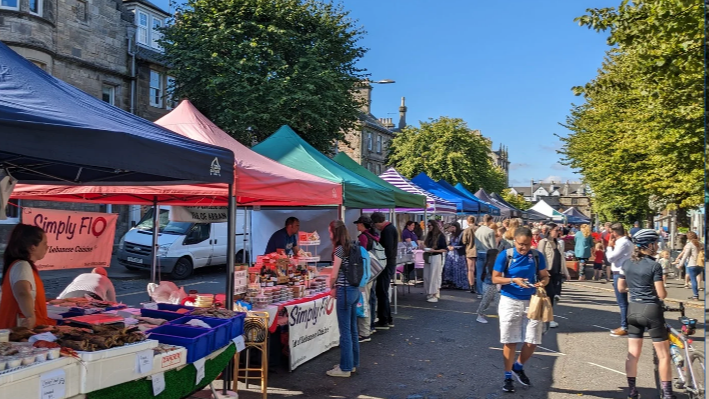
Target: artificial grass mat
(178, 383)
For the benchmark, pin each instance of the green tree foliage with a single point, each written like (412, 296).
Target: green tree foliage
(254, 65)
(516, 200)
(446, 148)
(638, 136)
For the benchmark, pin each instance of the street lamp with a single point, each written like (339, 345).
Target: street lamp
(380, 82)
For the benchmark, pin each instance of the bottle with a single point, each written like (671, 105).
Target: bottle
(676, 355)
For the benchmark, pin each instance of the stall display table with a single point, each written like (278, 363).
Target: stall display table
(275, 309)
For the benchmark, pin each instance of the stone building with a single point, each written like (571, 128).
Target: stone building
(558, 196)
(368, 145)
(107, 48)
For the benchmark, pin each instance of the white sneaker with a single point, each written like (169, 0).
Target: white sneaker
(354, 369)
(481, 319)
(553, 324)
(432, 299)
(336, 372)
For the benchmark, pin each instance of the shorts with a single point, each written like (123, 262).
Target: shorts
(598, 266)
(515, 327)
(647, 316)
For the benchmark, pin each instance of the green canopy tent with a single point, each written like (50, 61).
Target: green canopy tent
(286, 147)
(402, 199)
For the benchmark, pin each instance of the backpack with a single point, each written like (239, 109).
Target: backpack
(510, 253)
(355, 264)
(378, 250)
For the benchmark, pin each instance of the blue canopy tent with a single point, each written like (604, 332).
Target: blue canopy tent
(573, 216)
(493, 209)
(516, 212)
(52, 132)
(482, 207)
(462, 203)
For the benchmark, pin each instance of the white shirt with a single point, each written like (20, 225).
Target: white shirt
(91, 282)
(22, 271)
(617, 255)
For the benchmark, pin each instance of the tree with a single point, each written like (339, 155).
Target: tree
(446, 148)
(516, 200)
(252, 66)
(638, 136)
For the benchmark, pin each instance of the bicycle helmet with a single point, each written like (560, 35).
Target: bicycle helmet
(644, 237)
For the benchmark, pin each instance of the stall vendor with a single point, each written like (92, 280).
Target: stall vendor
(95, 284)
(285, 238)
(23, 302)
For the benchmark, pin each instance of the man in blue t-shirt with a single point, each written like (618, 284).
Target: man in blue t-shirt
(527, 270)
(285, 238)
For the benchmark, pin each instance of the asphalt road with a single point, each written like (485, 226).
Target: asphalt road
(439, 351)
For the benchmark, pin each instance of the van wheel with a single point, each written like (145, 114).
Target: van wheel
(241, 257)
(183, 269)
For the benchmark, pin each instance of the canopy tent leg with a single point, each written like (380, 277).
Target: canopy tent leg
(156, 230)
(341, 212)
(230, 257)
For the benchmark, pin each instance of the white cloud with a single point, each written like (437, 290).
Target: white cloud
(551, 148)
(553, 178)
(558, 166)
(515, 166)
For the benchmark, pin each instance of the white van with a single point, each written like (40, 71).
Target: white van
(182, 247)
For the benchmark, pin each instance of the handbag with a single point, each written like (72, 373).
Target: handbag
(362, 308)
(540, 307)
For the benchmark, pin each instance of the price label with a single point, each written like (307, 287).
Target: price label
(52, 385)
(239, 342)
(199, 365)
(158, 383)
(150, 305)
(144, 361)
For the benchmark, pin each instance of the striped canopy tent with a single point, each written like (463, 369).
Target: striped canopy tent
(434, 204)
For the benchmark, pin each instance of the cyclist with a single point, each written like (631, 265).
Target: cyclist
(641, 277)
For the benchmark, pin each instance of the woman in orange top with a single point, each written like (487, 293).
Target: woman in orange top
(23, 300)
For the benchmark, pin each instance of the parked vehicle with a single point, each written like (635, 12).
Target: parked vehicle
(182, 246)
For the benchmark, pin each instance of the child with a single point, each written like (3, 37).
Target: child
(598, 261)
(665, 262)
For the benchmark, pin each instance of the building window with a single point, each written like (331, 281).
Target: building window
(142, 31)
(379, 169)
(82, 10)
(36, 7)
(369, 166)
(155, 34)
(369, 141)
(170, 101)
(108, 94)
(10, 4)
(155, 89)
(379, 144)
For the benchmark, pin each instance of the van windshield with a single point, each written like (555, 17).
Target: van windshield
(166, 225)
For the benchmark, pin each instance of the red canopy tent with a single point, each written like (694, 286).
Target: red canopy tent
(258, 180)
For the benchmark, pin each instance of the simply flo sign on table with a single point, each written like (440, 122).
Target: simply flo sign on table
(74, 239)
(312, 329)
(199, 214)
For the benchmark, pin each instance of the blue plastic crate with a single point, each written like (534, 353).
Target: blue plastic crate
(197, 341)
(221, 328)
(237, 325)
(161, 314)
(173, 308)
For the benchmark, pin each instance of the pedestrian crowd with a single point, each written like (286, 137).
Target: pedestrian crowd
(507, 262)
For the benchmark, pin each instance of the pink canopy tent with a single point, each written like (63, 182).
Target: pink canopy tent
(258, 180)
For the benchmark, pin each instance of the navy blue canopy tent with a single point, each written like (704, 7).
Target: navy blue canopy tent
(493, 208)
(462, 203)
(482, 207)
(574, 216)
(52, 132)
(516, 212)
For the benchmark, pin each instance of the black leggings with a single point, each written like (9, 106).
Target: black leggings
(647, 316)
(554, 287)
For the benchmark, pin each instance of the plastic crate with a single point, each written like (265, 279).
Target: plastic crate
(197, 341)
(172, 308)
(237, 325)
(161, 314)
(221, 328)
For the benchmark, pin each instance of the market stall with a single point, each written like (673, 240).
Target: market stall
(481, 206)
(463, 204)
(494, 207)
(434, 203)
(514, 212)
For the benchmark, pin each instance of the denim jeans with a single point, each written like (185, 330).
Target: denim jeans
(347, 298)
(622, 298)
(694, 272)
(479, 265)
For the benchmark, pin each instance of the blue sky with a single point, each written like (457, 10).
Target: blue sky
(505, 67)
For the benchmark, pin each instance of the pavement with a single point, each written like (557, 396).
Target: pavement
(439, 351)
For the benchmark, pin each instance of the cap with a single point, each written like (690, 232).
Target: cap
(364, 220)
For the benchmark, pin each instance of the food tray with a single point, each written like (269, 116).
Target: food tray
(24, 382)
(197, 341)
(118, 351)
(221, 328)
(162, 314)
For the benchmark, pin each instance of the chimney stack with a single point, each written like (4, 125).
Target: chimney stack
(402, 113)
(364, 94)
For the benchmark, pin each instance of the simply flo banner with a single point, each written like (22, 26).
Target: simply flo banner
(199, 214)
(74, 239)
(312, 329)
